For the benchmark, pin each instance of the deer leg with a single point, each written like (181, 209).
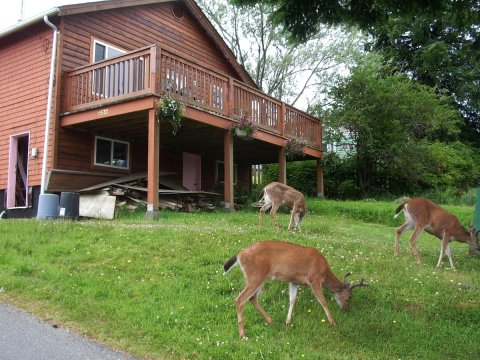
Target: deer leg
(262, 211)
(317, 290)
(292, 289)
(413, 243)
(260, 309)
(399, 231)
(444, 245)
(292, 214)
(273, 213)
(248, 292)
(448, 250)
(296, 218)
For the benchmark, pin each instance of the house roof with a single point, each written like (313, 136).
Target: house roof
(81, 8)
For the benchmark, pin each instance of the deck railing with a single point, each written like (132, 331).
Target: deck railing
(155, 70)
(109, 80)
(192, 83)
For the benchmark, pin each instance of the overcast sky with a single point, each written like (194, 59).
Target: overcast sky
(11, 10)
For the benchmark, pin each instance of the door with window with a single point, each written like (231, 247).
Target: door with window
(17, 183)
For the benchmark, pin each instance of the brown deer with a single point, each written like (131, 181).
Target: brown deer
(423, 214)
(276, 195)
(296, 264)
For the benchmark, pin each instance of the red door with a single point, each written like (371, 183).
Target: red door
(192, 171)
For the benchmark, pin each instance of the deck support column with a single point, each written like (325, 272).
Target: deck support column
(282, 166)
(320, 192)
(228, 171)
(153, 166)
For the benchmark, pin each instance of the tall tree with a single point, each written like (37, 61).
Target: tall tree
(303, 18)
(403, 132)
(436, 42)
(441, 50)
(294, 73)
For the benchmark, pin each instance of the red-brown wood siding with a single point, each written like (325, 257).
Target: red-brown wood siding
(130, 28)
(135, 27)
(24, 73)
(75, 152)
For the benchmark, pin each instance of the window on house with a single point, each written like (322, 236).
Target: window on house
(111, 153)
(103, 78)
(220, 174)
(102, 51)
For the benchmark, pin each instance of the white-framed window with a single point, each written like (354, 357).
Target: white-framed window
(104, 51)
(220, 172)
(112, 153)
(103, 78)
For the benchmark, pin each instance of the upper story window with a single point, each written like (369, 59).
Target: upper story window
(103, 51)
(111, 153)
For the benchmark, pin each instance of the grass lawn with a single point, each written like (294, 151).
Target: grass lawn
(156, 289)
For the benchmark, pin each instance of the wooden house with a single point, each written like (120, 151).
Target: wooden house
(102, 67)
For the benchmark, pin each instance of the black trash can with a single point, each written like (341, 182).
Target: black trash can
(69, 205)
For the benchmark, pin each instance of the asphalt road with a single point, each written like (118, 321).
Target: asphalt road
(24, 337)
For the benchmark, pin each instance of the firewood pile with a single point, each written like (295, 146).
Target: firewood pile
(131, 191)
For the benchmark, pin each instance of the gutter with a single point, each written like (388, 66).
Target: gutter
(49, 101)
(30, 21)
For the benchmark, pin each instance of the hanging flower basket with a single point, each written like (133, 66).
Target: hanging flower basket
(294, 149)
(241, 132)
(244, 129)
(170, 110)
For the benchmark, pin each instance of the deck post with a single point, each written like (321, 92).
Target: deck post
(282, 166)
(228, 171)
(281, 119)
(153, 166)
(230, 98)
(152, 70)
(320, 192)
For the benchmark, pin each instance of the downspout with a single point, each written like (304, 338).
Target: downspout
(49, 102)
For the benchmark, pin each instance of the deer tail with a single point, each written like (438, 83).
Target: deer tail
(262, 196)
(230, 263)
(400, 208)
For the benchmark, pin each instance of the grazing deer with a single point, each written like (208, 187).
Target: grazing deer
(296, 264)
(423, 214)
(276, 195)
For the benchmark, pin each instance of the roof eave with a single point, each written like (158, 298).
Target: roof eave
(27, 22)
(108, 5)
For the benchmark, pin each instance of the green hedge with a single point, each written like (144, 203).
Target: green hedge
(373, 211)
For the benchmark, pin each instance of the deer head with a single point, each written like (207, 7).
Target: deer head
(474, 241)
(343, 297)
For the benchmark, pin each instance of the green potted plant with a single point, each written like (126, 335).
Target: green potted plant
(294, 149)
(244, 129)
(170, 110)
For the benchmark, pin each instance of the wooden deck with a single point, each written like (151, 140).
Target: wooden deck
(156, 70)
